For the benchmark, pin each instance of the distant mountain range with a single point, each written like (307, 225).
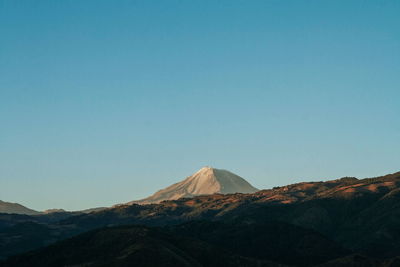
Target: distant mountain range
(15, 208)
(206, 181)
(342, 222)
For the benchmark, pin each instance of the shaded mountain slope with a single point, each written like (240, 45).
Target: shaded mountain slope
(26, 236)
(274, 241)
(361, 261)
(132, 246)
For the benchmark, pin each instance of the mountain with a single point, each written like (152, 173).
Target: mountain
(342, 222)
(15, 208)
(206, 181)
(360, 214)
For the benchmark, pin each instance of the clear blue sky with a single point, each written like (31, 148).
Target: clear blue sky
(103, 102)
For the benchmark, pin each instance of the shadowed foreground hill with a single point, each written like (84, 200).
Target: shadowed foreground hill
(274, 241)
(356, 260)
(132, 246)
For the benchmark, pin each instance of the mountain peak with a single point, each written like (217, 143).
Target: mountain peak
(205, 169)
(206, 181)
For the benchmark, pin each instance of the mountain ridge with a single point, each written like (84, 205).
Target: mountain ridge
(359, 215)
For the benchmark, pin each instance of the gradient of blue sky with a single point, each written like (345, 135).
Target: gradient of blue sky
(103, 102)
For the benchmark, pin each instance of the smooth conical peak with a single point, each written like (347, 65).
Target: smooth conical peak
(205, 181)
